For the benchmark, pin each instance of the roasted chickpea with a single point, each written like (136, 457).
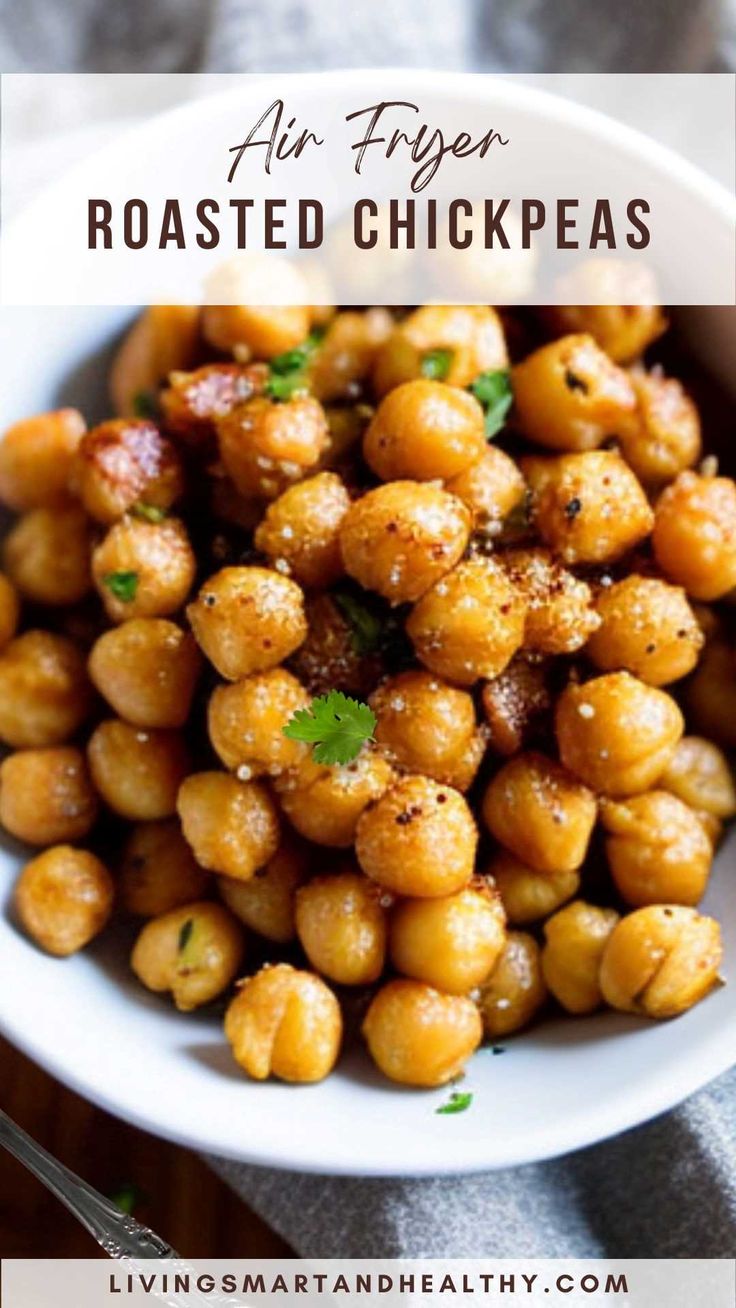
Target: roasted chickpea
(657, 849)
(266, 902)
(491, 487)
(36, 457)
(163, 338)
(246, 721)
(9, 611)
(648, 628)
(46, 796)
(661, 960)
(285, 1023)
(452, 943)
(265, 445)
(515, 990)
(265, 330)
(301, 530)
(137, 772)
(617, 734)
(470, 623)
(575, 940)
(711, 694)
(624, 331)
(232, 826)
(694, 535)
(342, 927)
(427, 726)
(570, 396)
(193, 402)
(46, 555)
(541, 813)
(124, 463)
(158, 871)
(699, 774)
(468, 338)
(515, 703)
(147, 670)
(248, 620)
(45, 695)
(402, 537)
(417, 1036)
(347, 352)
(560, 615)
(424, 430)
(64, 898)
(528, 895)
(144, 569)
(589, 508)
(195, 952)
(419, 839)
(333, 657)
(325, 803)
(663, 438)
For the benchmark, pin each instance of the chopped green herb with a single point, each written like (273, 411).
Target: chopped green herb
(148, 512)
(493, 391)
(185, 934)
(365, 627)
(127, 1197)
(145, 404)
(436, 364)
(123, 585)
(288, 371)
(458, 1102)
(336, 725)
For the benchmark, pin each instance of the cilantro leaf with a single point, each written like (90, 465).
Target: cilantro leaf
(123, 585)
(436, 364)
(145, 404)
(365, 627)
(185, 934)
(148, 512)
(336, 725)
(458, 1102)
(493, 391)
(288, 371)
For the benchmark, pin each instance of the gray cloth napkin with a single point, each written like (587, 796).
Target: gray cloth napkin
(666, 1189)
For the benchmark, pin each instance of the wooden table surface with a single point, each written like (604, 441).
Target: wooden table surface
(180, 1198)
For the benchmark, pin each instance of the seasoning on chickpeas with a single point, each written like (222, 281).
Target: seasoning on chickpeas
(425, 725)
(661, 960)
(47, 555)
(419, 839)
(266, 903)
(147, 670)
(699, 774)
(491, 487)
(623, 330)
(324, 804)
(194, 951)
(470, 623)
(232, 826)
(36, 457)
(127, 463)
(192, 402)
(664, 436)
(137, 771)
(459, 341)
(45, 694)
(569, 395)
(341, 925)
(144, 569)
(266, 445)
(246, 720)
(657, 849)
(336, 655)
(575, 939)
(515, 990)
(451, 943)
(347, 352)
(285, 1023)
(248, 620)
(589, 508)
(64, 898)
(540, 812)
(47, 796)
(526, 894)
(300, 531)
(418, 1036)
(694, 536)
(424, 430)
(646, 627)
(158, 871)
(516, 704)
(560, 615)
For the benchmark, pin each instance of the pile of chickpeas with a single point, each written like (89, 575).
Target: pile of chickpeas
(540, 623)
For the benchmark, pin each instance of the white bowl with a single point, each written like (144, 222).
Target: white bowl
(563, 1085)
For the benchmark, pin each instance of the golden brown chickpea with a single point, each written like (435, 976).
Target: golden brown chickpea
(266, 902)
(147, 670)
(144, 569)
(266, 330)
(137, 771)
(516, 990)
(9, 611)
(647, 628)
(575, 940)
(347, 352)
(300, 532)
(45, 695)
(424, 430)
(246, 720)
(265, 445)
(661, 960)
(570, 396)
(451, 943)
(470, 337)
(158, 871)
(333, 656)
(424, 725)
(232, 826)
(46, 796)
(164, 337)
(694, 535)
(36, 457)
(124, 463)
(285, 1023)
(528, 895)
(700, 775)
(417, 1036)
(193, 402)
(663, 438)
(248, 620)
(589, 508)
(657, 849)
(64, 898)
(342, 927)
(623, 330)
(560, 615)
(712, 826)
(491, 487)
(194, 951)
(402, 537)
(325, 803)
(47, 555)
(470, 623)
(711, 694)
(617, 734)
(515, 703)
(540, 812)
(419, 839)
